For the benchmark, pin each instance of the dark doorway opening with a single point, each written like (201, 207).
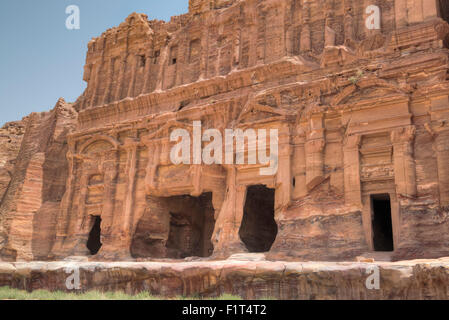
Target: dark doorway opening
(93, 243)
(259, 229)
(382, 223)
(175, 227)
(192, 223)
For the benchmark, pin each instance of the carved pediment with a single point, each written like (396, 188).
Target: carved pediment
(367, 90)
(337, 56)
(98, 144)
(258, 112)
(165, 130)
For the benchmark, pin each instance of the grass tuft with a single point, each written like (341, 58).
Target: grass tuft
(7, 293)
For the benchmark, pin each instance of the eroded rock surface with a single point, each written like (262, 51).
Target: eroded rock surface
(11, 135)
(31, 202)
(361, 114)
(420, 279)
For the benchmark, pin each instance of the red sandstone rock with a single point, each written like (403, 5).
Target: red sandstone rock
(30, 204)
(11, 135)
(10, 139)
(419, 279)
(362, 117)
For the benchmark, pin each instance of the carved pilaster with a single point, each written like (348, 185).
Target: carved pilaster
(147, 75)
(109, 76)
(117, 94)
(284, 173)
(154, 155)
(299, 165)
(95, 83)
(314, 162)
(441, 146)
(314, 148)
(404, 162)
(349, 22)
(110, 169)
(353, 194)
(306, 41)
(329, 33)
(131, 147)
(134, 67)
(226, 237)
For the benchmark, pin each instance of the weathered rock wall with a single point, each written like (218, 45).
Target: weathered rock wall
(11, 135)
(29, 206)
(420, 279)
(360, 113)
(219, 37)
(356, 113)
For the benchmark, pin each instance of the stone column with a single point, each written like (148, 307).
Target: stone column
(314, 162)
(226, 239)
(204, 50)
(299, 167)
(442, 151)
(109, 76)
(163, 61)
(315, 151)
(349, 22)
(197, 178)
(353, 192)
(108, 238)
(415, 11)
(134, 66)
(404, 162)
(95, 83)
(154, 151)
(131, 146)
(251, 25)
(78, 232)
(284, 173)
(430, 9)
(147, 75)
(306, 41)
(329, 33)
(120, 77)
(400, 7)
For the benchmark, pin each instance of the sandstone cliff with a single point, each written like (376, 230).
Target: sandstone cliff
(362, 116)
(37, 184)
(11, 135)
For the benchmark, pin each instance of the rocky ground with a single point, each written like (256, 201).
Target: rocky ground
(251, 277)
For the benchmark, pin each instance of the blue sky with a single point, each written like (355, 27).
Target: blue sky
(40, 60)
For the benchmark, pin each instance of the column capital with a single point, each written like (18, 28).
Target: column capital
(316, 145)
(352, 142)
(438, 128)
(130, 143)
(405, 134)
